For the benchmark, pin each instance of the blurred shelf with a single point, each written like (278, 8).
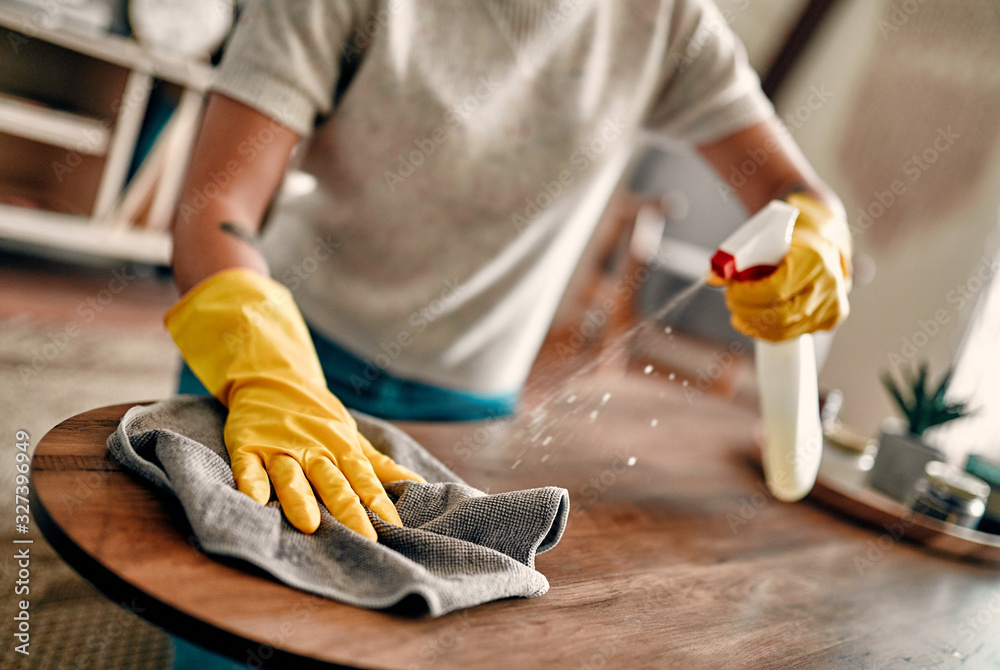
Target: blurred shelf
(116, 49)
(40, 123)
(73, 233)
(76, 172)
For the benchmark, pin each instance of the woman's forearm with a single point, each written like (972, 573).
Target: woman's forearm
(226, 194)
(213, 241)
(763, 163)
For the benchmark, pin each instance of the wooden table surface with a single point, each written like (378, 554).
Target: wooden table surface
(674, 556)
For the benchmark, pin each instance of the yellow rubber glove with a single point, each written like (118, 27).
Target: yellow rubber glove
(244, 338)
(808, 291)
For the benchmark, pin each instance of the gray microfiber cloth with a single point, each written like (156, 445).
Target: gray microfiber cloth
(459, 547)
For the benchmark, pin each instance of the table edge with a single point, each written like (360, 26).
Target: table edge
(120, 591)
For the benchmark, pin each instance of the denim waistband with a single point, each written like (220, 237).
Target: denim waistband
(367, 388)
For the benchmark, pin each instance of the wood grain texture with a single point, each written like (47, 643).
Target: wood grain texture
(678, 560)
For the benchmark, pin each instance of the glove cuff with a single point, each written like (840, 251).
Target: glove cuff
(815, 217)
(238, 324)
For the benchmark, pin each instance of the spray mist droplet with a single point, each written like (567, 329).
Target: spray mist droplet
(545, 458)
(646, 370)
(671, 376)
(668, 330)
(684, 383)
(631, 461)
(516, 463)
(593, 415)
(606, 398)
(546, 440)
(654, 422)
(570, 400)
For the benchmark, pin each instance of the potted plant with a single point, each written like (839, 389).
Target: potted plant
(902, 455)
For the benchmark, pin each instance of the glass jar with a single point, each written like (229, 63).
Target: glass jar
(988, 470)
(948, 494)
(847, 457)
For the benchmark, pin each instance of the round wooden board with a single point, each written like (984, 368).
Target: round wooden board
(897, 520)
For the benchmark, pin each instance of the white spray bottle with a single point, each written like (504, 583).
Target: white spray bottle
(786, 371)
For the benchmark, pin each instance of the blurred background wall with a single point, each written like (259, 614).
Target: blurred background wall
(895, 104)
(908, 140)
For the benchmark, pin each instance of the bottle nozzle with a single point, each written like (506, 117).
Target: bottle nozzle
(756, 248)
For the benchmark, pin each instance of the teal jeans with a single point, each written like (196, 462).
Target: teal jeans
(365, 387)
(362, 386)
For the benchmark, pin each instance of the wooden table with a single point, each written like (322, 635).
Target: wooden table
(678, 558)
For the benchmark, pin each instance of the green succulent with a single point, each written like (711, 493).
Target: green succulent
(925, 408)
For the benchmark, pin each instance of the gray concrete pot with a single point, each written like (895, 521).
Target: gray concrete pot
(900, 463)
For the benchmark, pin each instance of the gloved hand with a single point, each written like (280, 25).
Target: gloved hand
(808, 291)
(244, 338)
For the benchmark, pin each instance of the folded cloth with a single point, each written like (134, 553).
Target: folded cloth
(459, 547)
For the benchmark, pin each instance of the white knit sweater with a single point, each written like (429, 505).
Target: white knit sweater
(463, 168)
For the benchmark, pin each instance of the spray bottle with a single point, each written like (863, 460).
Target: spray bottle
(786, 371)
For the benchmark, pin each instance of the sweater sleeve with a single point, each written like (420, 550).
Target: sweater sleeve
(708, 89)
(285, 57)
